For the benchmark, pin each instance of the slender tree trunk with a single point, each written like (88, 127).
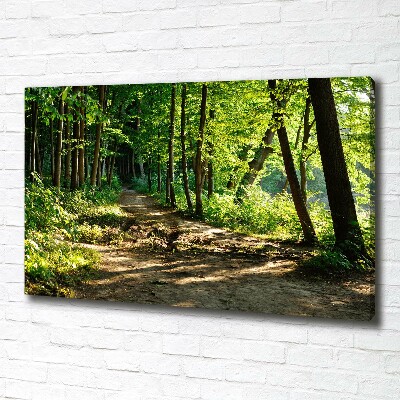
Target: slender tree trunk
(158, 165)
(38, 161)
(300, 205)
(67, 167)
(141, 169)
(99, 172)
(210, 179)
(133, 164)
(304, 145)
(58, 153)
(199, 163)
(99, 128)
(74, 153)
(257, 163)
(344, 216)
(81, 150)
(112, 164)
(170, 172)
(149, 174)
(34, 110)
(183, 147)
(51, 148)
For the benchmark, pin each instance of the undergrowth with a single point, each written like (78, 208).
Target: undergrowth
(55, 222)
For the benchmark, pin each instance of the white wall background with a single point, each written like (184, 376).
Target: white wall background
(63, 349)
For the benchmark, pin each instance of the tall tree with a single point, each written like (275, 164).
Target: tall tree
(76, 135)
(99, 128)
(199, 167)
(299, 203)
(344, 216)
(67, 139)
(183, 148)
(58, 149)
(33, 159)
(170, 193)
(307, 125)
(81, 141)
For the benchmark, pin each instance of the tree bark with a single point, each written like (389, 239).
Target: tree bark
(51, 124)
(99, 127)
(34, 111)
(170, 172)
(81, 149)
(149, 174)
(198, 161)
(74, 153)
(306, 136)
(58, 152)
(299, 203)
(67, 166)
(344, 216)
(183, 147)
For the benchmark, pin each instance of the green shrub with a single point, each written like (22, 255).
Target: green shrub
(53, 267)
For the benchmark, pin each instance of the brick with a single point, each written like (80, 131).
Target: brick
(17, 9)
(187, 345)
(378, 341)
(309, 11)
(245, 372)
(195, 367)
(389, 8)
(310, 356)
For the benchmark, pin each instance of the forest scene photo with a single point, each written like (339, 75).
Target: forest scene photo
(234, 195)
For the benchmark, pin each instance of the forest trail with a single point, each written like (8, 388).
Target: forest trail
(169, 259)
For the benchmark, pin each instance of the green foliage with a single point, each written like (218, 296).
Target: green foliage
(43, 208)
(328, 262)
(53, 264)
(53, 267)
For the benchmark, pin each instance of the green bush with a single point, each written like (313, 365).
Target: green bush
(52, 267)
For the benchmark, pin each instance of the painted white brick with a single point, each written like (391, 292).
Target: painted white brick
(304, 11)
(245, 372)
(17, 9)
(389, 8)
(310, 356)
(187, 345)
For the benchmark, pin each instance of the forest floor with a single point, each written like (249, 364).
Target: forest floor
(169, 259)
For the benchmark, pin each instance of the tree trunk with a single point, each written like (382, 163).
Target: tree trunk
(345, 223)
(58, 152)
(141, 169)
(183, 147)
(304, 145)
(51, 148)
(81, 150)
(67, 167)
(74, 153)
(38, 158)
(299, 203)
(34, 110)
(257, 163)
(199, 163)
(112, 164)
(149, 174)
(170, 172)
(99, 127)
(133, 164)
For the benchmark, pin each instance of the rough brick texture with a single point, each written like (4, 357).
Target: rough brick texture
(70, 349)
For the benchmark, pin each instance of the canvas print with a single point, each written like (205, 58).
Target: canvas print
(239, 195)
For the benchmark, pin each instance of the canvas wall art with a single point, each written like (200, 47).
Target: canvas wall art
(252, 196)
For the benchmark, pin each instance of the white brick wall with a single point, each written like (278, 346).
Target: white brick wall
(65, 349)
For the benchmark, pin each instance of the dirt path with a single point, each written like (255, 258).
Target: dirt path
(171, 260)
